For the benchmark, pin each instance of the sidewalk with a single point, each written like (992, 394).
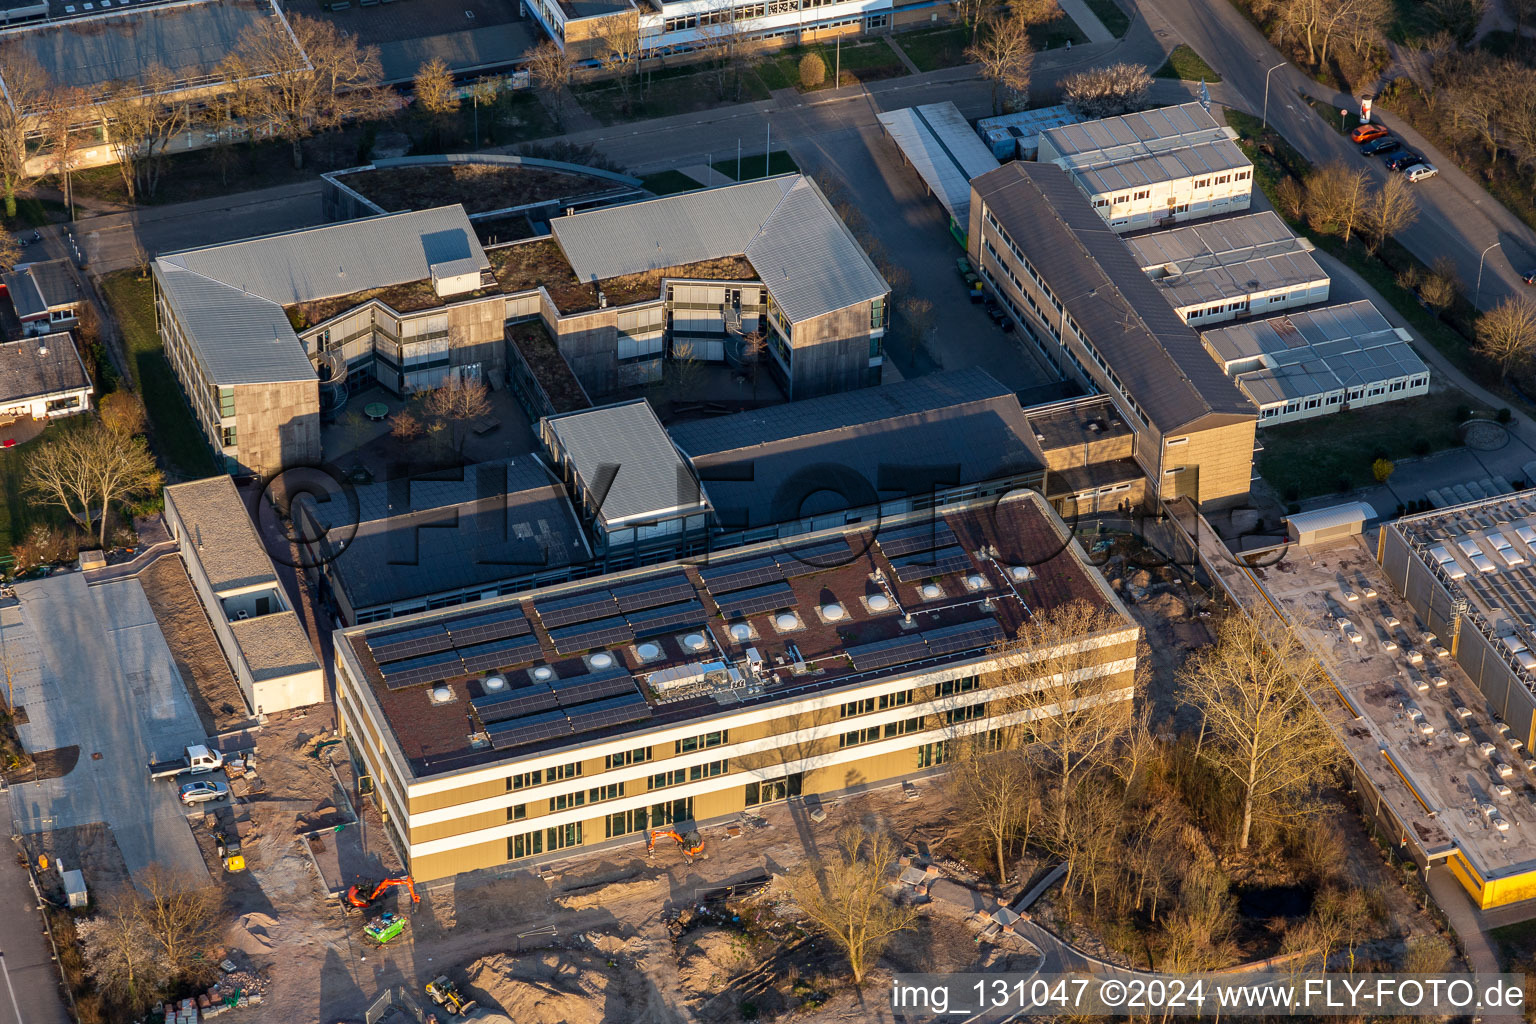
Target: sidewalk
(1086, 20)
(24, 945)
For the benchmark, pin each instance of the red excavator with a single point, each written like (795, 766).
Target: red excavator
(364, 894)
(691, 843)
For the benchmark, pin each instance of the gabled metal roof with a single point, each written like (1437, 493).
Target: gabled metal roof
(625, 463)
(1157, 357)
(240, 338)
(938, 142)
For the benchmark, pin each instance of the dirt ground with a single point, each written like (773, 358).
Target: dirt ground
(199, 659)
(88, 848)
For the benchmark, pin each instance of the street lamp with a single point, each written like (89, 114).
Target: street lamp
(1479, 292)
(1266, 91)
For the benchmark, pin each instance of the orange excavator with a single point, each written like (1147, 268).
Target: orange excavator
(690, 842)
(364, 895)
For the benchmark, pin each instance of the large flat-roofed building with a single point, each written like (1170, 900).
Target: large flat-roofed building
(530, 727)
(1153, 168)
(625, 287)
(1091, 309)
(1220, 270)
(454, 537)
(404, 299)
(260, 633)
(1313, 362)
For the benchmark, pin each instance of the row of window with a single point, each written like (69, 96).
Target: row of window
(1218, 309)
(884, 702)
(539, 776)
(1355, 394)
(695, 773)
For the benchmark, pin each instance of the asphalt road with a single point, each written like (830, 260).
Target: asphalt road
(29, 985)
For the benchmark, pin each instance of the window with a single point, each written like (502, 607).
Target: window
(523, 781)
(865, 735)
(678, 776)
(968, 713)
(517, 812)
(704, 742)
(228, 436)
(1222, 179)
(1143, 194)
(899, 699)
(1202, 183)
(563, 771)
(675, 777)
(876, 346)
(72, 402)
(526, 845)
(773, 789)
(626, 822)
(1241, 175)
(707, 770)
(639, 755)
(953, 686)
(1100, 203)
(226, 403)
(930, 754)
(1122, 199)
(561, 836)
(877, 314)
(612, 791)
(904, 727)
(565, 801)
(858, 707)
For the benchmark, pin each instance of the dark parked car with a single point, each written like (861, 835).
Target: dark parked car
(1529, 277)
(1403, 160)
(1381, 146)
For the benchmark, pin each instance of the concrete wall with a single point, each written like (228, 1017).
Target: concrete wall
(299, 690)
(830, 353)
(277, 425)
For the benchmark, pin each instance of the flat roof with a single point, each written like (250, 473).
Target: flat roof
(220, 529)
(1155, 354)
(1433, 784)
(1314, 352)
(941, 146)
(1144, 148)
(642, 619)
(1077, 421)
(121, 43)
(801, 250)
(1210, 261)
(46, 365)
(1024, 124)
(490, 522)
(275, 645)
(787, 462)
(625, 463)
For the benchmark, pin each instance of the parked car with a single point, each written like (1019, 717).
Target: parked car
(1529, 277)
(1420, 171)
(1385, 144)
(203, 791)
(1367, 132)
(1403, 159)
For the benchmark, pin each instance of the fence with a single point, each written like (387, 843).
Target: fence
(394, 998)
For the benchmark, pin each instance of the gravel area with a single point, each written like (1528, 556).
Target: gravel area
(189, 634)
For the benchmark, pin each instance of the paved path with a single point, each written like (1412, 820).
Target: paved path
(1086, 20)
(104, 680)
(29, 982)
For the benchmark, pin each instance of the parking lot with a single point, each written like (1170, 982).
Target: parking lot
(95, 673)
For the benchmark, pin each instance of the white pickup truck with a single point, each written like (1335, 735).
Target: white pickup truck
(199, 760)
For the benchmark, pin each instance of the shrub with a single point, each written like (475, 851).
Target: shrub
(1379, 454)
(1343, 484)
(1292, 508)
(46, 545)
(813, 71)
(1292, 493)
(1382, 469)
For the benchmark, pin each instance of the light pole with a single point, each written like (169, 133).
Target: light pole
(1477, 296)
(1266, 92)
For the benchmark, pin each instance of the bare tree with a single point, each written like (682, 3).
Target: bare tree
(1291, 197)
(121, 954)
(27, 87)
(1506, 334)
(1388, 210)
(970, 13)
(10, 250)
(993, 791)
(122, 413)
(143, 125)
(452, 409)
(726, 46)
(1004, 55)
(1438, 288)
(550, 69)
(846, 896)
(405, 426)
(1321, 23)
(1034, 12)
(184, 919)
(86, 471)
(1336, 198)
(1195, 930)
(1107, 91)
(1254, 688)
(433, 88)
(64, 108)
(622, 56)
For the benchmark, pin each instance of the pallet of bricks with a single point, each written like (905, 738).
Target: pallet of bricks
(237, 989)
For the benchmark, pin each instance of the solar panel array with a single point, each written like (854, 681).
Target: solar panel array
(813, 558)
(652, 621)
(769, 598)
(931, 563)
(488, 626)
(575, 690)
(739, 575)
(529, 729)
(605, 714)
(574, 608)
(881, 654)
(514, 703)
(410, 643)
(910, 539)
(516, 650)
(589, 635)
(653, 592)
(968, 636)
(427, 668)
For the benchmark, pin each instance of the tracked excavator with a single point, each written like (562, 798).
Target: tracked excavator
(365, 895)
(690, 842)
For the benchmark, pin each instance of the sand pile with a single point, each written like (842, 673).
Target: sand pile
(252, 933)
(602, 895)
(712, 957)
(557, 987)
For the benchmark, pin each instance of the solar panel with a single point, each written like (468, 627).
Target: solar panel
(748, 572)
(908, 539)
(580, 689)
(428, 668)
(567, 611)
(409, 643)
(515, 650)
(524, 700)
(759, 599)
(968, 636)
(605, 714)
(924, 564)
(659, 620)
(887, 652)
(814, 558)
(487, 626)
(588, 635)
(656, 591)
(529, 729)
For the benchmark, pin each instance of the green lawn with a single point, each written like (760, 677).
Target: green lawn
(779, 162)
(1187, 65)
(1055, 34)
(666, 183)
(1112, 15)
(1303, 460)
(664, 96)
(1515, 943)
(33, 213)
(860, 62)
(173, 431)
(934, 48)
(1340, 123)
(19, 511)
